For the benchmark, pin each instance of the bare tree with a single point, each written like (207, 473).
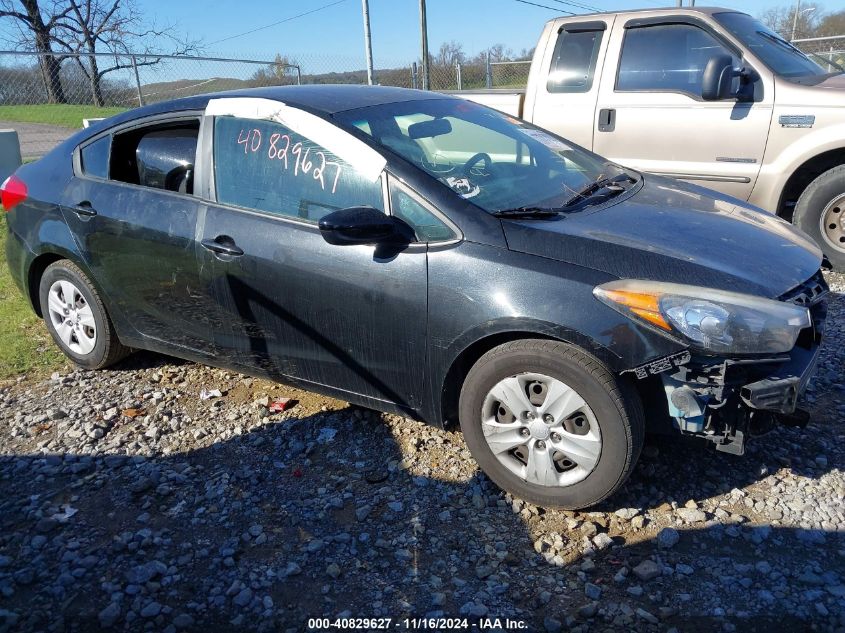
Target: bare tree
(117, 27)
(782, 20)
(497, 52)
(36, 32)
(449, 54)
(526, 54)
(832, 24)
(279, 73)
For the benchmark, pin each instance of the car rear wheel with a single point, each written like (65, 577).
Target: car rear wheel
(550, 424)
(76, 317)
(820, 213)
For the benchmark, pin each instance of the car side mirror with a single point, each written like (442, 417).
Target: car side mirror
(358, 225)
(717, 80)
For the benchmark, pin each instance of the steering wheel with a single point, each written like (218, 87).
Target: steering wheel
(477, 158)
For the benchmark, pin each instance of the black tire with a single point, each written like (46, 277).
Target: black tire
(107, 348)
(812, 203)
(616, 407)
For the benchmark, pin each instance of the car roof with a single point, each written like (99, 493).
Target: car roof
(323, 99)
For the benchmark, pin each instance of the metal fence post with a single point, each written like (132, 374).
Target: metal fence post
(298, 75)
(414, 75)
(458, 75)
(488, 71)
(137, 81)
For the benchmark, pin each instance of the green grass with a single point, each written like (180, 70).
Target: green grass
(25, 345)
(55, 113)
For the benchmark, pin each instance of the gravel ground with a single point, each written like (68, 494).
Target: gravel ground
(128, 502)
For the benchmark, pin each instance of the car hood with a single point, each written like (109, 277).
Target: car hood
(834, 82)
(678, 232)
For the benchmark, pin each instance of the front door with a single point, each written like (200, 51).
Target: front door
(651, 117)
(351, 318)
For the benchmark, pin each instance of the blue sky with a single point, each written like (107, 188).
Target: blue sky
(336, 32)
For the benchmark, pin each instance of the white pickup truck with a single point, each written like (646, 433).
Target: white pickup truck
(701, 94)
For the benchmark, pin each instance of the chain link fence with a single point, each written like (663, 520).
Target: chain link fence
(827, 51)
(37, 91)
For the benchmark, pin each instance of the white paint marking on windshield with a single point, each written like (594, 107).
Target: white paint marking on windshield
(546, 139)
(364, 159)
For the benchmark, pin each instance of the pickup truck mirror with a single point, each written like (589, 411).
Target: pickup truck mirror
(717, 81)
(358, 225)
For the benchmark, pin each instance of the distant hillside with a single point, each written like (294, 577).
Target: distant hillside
(441, 79)
(164, 90)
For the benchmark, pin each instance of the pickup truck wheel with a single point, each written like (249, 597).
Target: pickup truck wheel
(550, 424)
(76, 317)
(820, 213)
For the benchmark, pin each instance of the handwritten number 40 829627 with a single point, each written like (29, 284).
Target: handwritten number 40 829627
(279, 147)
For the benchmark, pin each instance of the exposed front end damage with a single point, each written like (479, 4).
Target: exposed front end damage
(727, 400)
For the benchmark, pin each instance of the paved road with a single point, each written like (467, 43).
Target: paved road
(37, 138)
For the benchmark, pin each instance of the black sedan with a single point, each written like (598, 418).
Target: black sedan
(421, 254)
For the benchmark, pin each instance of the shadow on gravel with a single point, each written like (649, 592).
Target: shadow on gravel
(353, 514)
(316, 517)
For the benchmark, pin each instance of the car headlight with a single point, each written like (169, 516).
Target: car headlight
(710, 320)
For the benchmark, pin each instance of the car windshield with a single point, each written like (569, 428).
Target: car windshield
(496, 161)
(780, 56)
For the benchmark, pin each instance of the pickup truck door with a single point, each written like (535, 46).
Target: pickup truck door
(651, 115)
(564, 98)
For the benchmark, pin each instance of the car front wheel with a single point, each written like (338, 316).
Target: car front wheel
(76, 317)
(820, 213)
(550, 424)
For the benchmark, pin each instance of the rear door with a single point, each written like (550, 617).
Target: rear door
(350, 318)
(565, 96)
(651, 115)
(132, 211)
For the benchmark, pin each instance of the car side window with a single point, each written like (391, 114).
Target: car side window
(574, 60)
(266, 166)
(427, 226)
(666, 57)
(95, 158)
(160, 156)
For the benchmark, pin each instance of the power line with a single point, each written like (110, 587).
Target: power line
(543, 6)
(586, 7)
(267, 26)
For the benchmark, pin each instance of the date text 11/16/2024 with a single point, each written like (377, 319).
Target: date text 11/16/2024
(417, 624)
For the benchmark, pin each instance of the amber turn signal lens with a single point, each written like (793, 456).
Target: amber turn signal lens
(644, 305)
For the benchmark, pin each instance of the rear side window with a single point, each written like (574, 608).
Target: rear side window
(160, 156)
(95, 158)
(574, 61)
(266, 166)
(666, 58)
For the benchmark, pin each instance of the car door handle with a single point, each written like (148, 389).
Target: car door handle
(223, 245)
(84, 208)
(607, 119)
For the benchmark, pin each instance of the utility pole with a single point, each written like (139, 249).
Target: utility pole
(795, 18)
(424, 46)
(798, 12)
(368, 42)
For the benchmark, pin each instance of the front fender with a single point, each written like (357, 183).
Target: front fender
(479, 293)
(783, 158)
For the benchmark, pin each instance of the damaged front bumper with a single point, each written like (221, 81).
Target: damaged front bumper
(726, 400)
